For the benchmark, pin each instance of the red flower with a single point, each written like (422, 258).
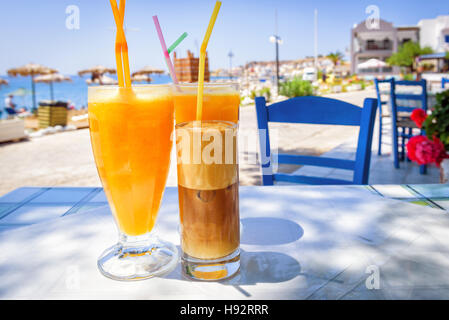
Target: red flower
(418, 116)
(424, 151)
(411, 146)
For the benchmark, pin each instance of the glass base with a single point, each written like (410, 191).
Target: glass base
(138, 258)
(211, 270)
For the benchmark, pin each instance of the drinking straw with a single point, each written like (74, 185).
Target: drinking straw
(199, 105)
(118, 48)
(177, 42)
(171, 69)
(121, 48)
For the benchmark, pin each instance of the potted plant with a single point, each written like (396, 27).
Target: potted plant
(432, 147)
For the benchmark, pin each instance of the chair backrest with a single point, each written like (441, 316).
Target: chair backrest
(409, 96)
(443, 82)
(323, 111)
(377, 83)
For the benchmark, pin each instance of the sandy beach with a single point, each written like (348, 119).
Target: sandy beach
(65, 159)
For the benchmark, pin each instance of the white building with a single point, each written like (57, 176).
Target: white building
(383, 41)
(435, 33)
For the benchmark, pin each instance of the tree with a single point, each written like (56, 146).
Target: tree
(335, 57)
(407, 54)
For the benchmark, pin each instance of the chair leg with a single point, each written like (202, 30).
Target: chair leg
(423, 169)
(379, 150)
(403, 144)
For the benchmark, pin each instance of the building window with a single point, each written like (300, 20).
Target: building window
(406, 40)
(371, 45)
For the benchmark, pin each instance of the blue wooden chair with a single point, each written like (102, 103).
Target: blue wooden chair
(444, 81)
(322, 111)
(382, 115)
(402, 125)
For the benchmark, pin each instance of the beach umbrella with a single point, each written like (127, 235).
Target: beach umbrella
(50, 79)
(372, 64)
(21, 92)
(97, 74)
(3, 82)
(147, 71)
(31, 70)
(141, 78)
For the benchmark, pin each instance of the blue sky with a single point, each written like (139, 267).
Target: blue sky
(35, 31)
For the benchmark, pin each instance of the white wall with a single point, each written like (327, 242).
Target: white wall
(431, 32)
(407, 34)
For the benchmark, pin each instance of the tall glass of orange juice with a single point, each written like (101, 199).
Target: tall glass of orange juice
(221, 102)
(130, 131)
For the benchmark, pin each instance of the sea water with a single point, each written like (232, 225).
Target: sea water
(74, 92)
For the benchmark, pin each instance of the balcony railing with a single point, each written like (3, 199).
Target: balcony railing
(373, 46)
(375, 70)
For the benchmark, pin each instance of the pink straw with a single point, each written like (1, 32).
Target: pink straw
(171, 69)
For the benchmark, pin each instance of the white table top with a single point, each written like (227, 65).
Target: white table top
(298, 242)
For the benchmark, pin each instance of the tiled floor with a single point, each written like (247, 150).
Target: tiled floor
(382, 170)
(27, 206)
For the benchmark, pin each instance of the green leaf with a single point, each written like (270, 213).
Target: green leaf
(438, 122)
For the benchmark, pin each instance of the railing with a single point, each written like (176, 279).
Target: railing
(379, 46)
(375, 70)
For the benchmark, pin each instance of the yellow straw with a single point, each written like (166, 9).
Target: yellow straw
(199, 105)
(122, 42)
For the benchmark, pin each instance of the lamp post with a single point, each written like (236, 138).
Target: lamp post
(230, 55)
(277, 41)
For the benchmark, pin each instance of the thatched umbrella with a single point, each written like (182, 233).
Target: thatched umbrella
(97, 73)
(147, 71)
(32, 70)
(3, 82)
(50, 79)
(141, 78)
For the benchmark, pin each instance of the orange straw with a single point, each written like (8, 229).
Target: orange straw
(118, 49)
(121, 47)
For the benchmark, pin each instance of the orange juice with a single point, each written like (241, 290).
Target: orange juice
(131, 131)
(220, 102)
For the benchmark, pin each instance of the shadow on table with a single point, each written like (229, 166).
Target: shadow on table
(263, 266)
(256, 267)
(269, 231)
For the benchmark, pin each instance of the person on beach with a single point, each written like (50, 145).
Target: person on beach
(70, 105)
(10, 107)
(9, 102)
